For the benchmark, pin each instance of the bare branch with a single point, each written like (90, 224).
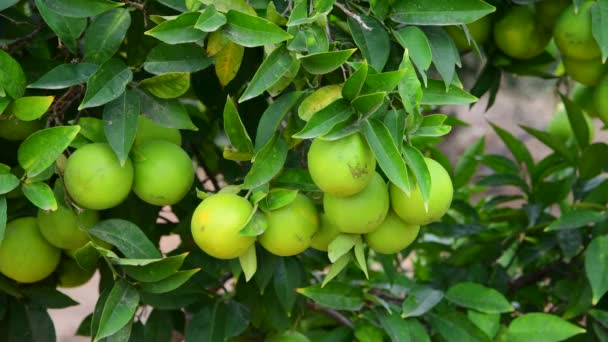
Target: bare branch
(333, 314)
(353, 15)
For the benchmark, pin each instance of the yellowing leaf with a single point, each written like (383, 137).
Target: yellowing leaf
(30, 107)
(228, 62)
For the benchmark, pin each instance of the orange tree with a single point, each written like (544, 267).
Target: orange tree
(293, 148)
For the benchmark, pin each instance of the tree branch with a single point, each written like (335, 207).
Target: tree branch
(353, 15)
(333, 314)
(24, 39)
(533, 277)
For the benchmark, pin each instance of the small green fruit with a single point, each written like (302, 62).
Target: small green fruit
(63, 228)
(392, 235)
(573, 34)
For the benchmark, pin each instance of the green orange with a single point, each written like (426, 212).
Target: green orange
(25, 256)
(573, 34)
(64, 228)
(362, 212)
(163, 172)
(587, 72)
(216, 224)
(392, 235)
(325, 235)
(410, 208)
(560, 127)
(519, 35)
(291, 228)
(600, 100)
(341, 167)
(95, 179)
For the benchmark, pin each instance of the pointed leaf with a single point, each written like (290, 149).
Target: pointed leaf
(167, 86)
(324, 120)
(436, 94)
(478, 297)
(210, 20)
(105, 34)
(336, 268)
(454, 327)
(118, 309)
(125, 236)
(287, 277)
(599, 22)
(170, 283)
(251, 31)
(445, 55)
(374, 44)
(596, 267)
(234, 128)
(318, 100)
(156, 270)
(341, 245)
(120, 118)
(354, 83)
(415, 160)
(106, 84)
(576, 218)
(249, 262)
(325, 62)
(218, 322)
(228, 61)
(577, 119)
(30, 108)
(360, 257)
(267, 163)
(168, 113)
(165, 58)
(178, 30)
(442, 12)
(8, 182)
(516, 146)
(65, 76)
(271, 70)
(335, 295)
(420, 300)
(383, 82)
(42, 148)
(410, 88)
(274, 115)
(368, 103)
(417, 44)
(387, 153)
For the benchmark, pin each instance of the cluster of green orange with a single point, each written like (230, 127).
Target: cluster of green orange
(524, 32)
(356, 200)
(160, 173)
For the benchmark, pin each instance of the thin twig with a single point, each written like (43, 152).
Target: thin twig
(16, 22)
(141, 7)
(353, 15)
(63, 103)
(24, 39)
(333, 314)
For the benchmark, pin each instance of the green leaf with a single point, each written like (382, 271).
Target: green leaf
(278, 198)
(577, 119)
(80, 8)
(325, 62)
(118, 309)
(335, 295)
(42, 148)
(12, 78)
(249, 262)
(178, 30)
(355, 81)
(541, 327)
(599, 22)
(3, 219)
(336, 268)
(87, 256)
(274, 115)
(105, 34)
(218, 322)
(553, 142)
(165, 58)
(596, 267)
(402, 330)
(65, 76)
(436, 94)
(478, 297)
(106, 84)
(125, 236)
(360, 257)
(576, 218)
(488, 323)
(267, 163)
(234, 128)
(257, 224)
(210, 20)
(30, 108)
(387, 153)
(383, 82)
(4, 102)
(167, 86)
(432, 126)
(4, 4)
(468, 162)
(92, 129)
(395, 122)
(40, 194)
(374, 44)
(516, 146)
(250, 31)
(415, 160)
(420, 300)
(228, 61)
(368, 103)
(120, 119)
(417, 44)
(48, 297)
(286, 278)
(591, 162)
(318, 100)
(441, 12)
(272, 70)
(324, 120)
(8, 182)
(159, 326)
(156, 270)
(67, 29)
(455, 327)
(170, 283)
(410, 88)
(341, 245)
(299, 179)
(168, 113)
(445, 55)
